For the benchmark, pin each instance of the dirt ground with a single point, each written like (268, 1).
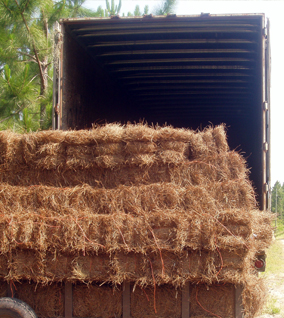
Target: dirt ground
(276, 294)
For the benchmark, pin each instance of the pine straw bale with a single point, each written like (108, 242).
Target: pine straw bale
(46, 301)
(110, 171)
(97, 301)
(178, 146)
(56, 267)
(163, 302)
(166, 267)
(173, 229)
(139, 132)
(10, 149)
(176, 269)
(253, 295)
(52, 150)
(45, 268)
(168, 229)
(261, 228)
(233, 194)
(136, 200)
(25, 265)
(140, 147)
(216, 300)
(107, 178)
(49, 156)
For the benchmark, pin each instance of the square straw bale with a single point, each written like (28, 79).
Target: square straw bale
(113, 148)
(141, 160)
(234, 194)
(237, 166)
(27, 265)
(14, 156)
(95, 301)
(80, 157)
(220, 137)
(109, 133)
(163, 301)
(47, 301)
(139, 132)
(90, 156)
(49, 156)
(254, 295)
(214, 300)
(58, 267)
(176, 269)
(169, 133)
(263, 234)
(128, 266)
(139, 147)
(90, 268)
(178, 146)
(171, 157)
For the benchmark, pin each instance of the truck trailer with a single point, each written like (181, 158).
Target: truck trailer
(186, 72)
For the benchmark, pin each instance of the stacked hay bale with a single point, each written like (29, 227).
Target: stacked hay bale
(151, 206)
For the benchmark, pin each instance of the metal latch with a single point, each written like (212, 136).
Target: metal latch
(56, 109)
(264, 30)
(265, 105)
(265, 146)
(265, 188)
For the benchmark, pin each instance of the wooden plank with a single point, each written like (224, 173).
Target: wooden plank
(238, 302)
(68, 300)
(185, 306)
(126, 300)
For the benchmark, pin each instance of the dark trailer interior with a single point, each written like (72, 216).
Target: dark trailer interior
(186, 71)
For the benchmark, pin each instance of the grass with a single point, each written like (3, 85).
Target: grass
(275, 258)
(271, 307)
(275, 254)
(274, 269)
(279, 233)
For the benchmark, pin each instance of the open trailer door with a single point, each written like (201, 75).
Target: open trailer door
(267, 114)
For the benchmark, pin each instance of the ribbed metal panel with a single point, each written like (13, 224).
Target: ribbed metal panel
(178, 61)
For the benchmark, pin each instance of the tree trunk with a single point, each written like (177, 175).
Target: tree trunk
(43, 91)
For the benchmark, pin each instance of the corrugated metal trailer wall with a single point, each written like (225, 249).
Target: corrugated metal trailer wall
(184, 71)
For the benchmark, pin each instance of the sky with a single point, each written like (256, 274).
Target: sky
(274, 10)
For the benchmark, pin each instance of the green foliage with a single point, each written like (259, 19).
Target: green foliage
(26, 57)
(166, 7)
(113, 9)
(277, 199)
(137, 12)
(146, 9)
(275, 258)
(272, 307)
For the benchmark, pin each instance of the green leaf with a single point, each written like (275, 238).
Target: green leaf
(7, 72)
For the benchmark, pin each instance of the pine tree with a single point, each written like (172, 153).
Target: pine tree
(146, 9)
(26, 44)
(277, 199)
(113, 9)
(137, 12)
(166, 7)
